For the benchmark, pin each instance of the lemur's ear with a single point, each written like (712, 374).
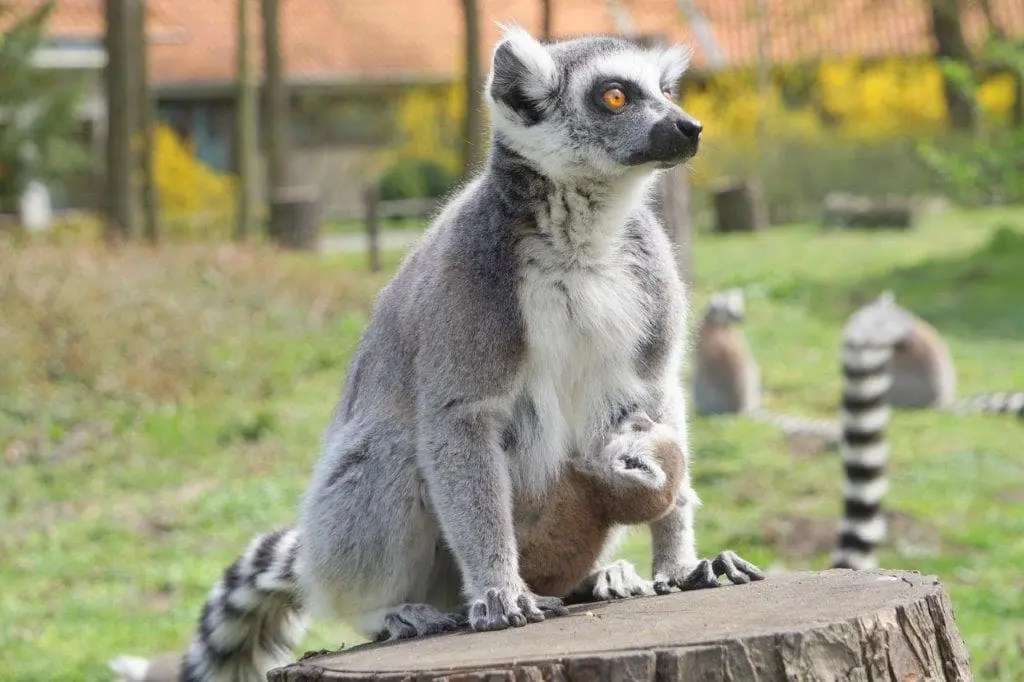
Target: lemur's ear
(523, 74)
(673, 62)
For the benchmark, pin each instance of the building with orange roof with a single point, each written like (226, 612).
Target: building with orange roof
(345, 59)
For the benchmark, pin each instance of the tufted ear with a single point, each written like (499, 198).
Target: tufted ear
(523, 75)
(673, 62)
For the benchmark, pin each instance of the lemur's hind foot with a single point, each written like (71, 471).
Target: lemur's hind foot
(416, 620)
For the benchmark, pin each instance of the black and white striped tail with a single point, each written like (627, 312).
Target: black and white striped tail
(865, 452)
(252, 617)
(792, 426)
(869, 340)
(1006, 402)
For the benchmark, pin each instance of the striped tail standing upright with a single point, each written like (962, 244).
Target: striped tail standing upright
(868, 345)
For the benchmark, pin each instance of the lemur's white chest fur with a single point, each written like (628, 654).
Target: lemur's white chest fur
(584, 315)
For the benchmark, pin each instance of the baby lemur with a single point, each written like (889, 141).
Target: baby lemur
(632, 479)
(542, 305)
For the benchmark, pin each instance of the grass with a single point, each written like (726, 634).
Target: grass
(158, 408)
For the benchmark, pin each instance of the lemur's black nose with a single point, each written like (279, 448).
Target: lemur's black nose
(689, 127)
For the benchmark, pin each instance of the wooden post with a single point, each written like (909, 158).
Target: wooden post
(674, 191)
(371, 203)
(856, 625)
(245, 127)
(122, 122)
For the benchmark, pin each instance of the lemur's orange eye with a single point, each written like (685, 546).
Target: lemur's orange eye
(614, 99)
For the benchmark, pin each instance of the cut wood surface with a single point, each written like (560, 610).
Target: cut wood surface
(830, 625)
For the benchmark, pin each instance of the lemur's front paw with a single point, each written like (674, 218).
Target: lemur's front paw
(620, 580)
(707, 572)
(497, 609)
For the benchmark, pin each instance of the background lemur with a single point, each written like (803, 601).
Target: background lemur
(541, 306)
(922, 370)
(727, 379)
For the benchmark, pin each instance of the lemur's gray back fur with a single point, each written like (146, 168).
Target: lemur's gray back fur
(541, 308)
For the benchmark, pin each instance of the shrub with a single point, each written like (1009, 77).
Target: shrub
(195, 200)
(412, 177)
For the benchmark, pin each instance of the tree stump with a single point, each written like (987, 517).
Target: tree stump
(849, 211)
(832, 625)
(295, 218)
(739, 207)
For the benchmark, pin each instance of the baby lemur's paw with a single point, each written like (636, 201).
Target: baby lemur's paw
(417, 620)
(620, 580)
(707, 572)
(497, 609)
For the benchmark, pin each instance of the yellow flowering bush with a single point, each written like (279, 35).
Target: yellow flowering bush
(429, 123)
(195, 201)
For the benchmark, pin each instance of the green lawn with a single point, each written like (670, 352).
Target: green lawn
(157, 408)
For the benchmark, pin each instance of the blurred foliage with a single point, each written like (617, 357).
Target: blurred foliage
(848, 125)
(415, 177)
(38, 112)
(991, 169)
(424, 160)
(428, 121)
(195, 200)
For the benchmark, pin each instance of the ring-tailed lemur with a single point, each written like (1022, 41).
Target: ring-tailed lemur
(869, 340)
(727, 379)
(632, 478)
(542, 303)
(998, 402)
(889, 357)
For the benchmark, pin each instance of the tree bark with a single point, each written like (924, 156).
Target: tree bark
(245, 127)
(122, 120)
(950, 44)
(472, 131)
(850, 625)
(150, 213)
(276, 97)
(545, 19)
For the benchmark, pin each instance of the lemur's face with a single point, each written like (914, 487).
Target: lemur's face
(591, 106)
(726, 307)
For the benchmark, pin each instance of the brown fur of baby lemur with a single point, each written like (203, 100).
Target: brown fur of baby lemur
(633, 479)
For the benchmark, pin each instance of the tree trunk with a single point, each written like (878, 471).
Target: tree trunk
(472, 131)
(849, 625)
(122, 120)
(245, 127)
(950, 44)
(276, 101)
(545, 19)
(150, 214)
